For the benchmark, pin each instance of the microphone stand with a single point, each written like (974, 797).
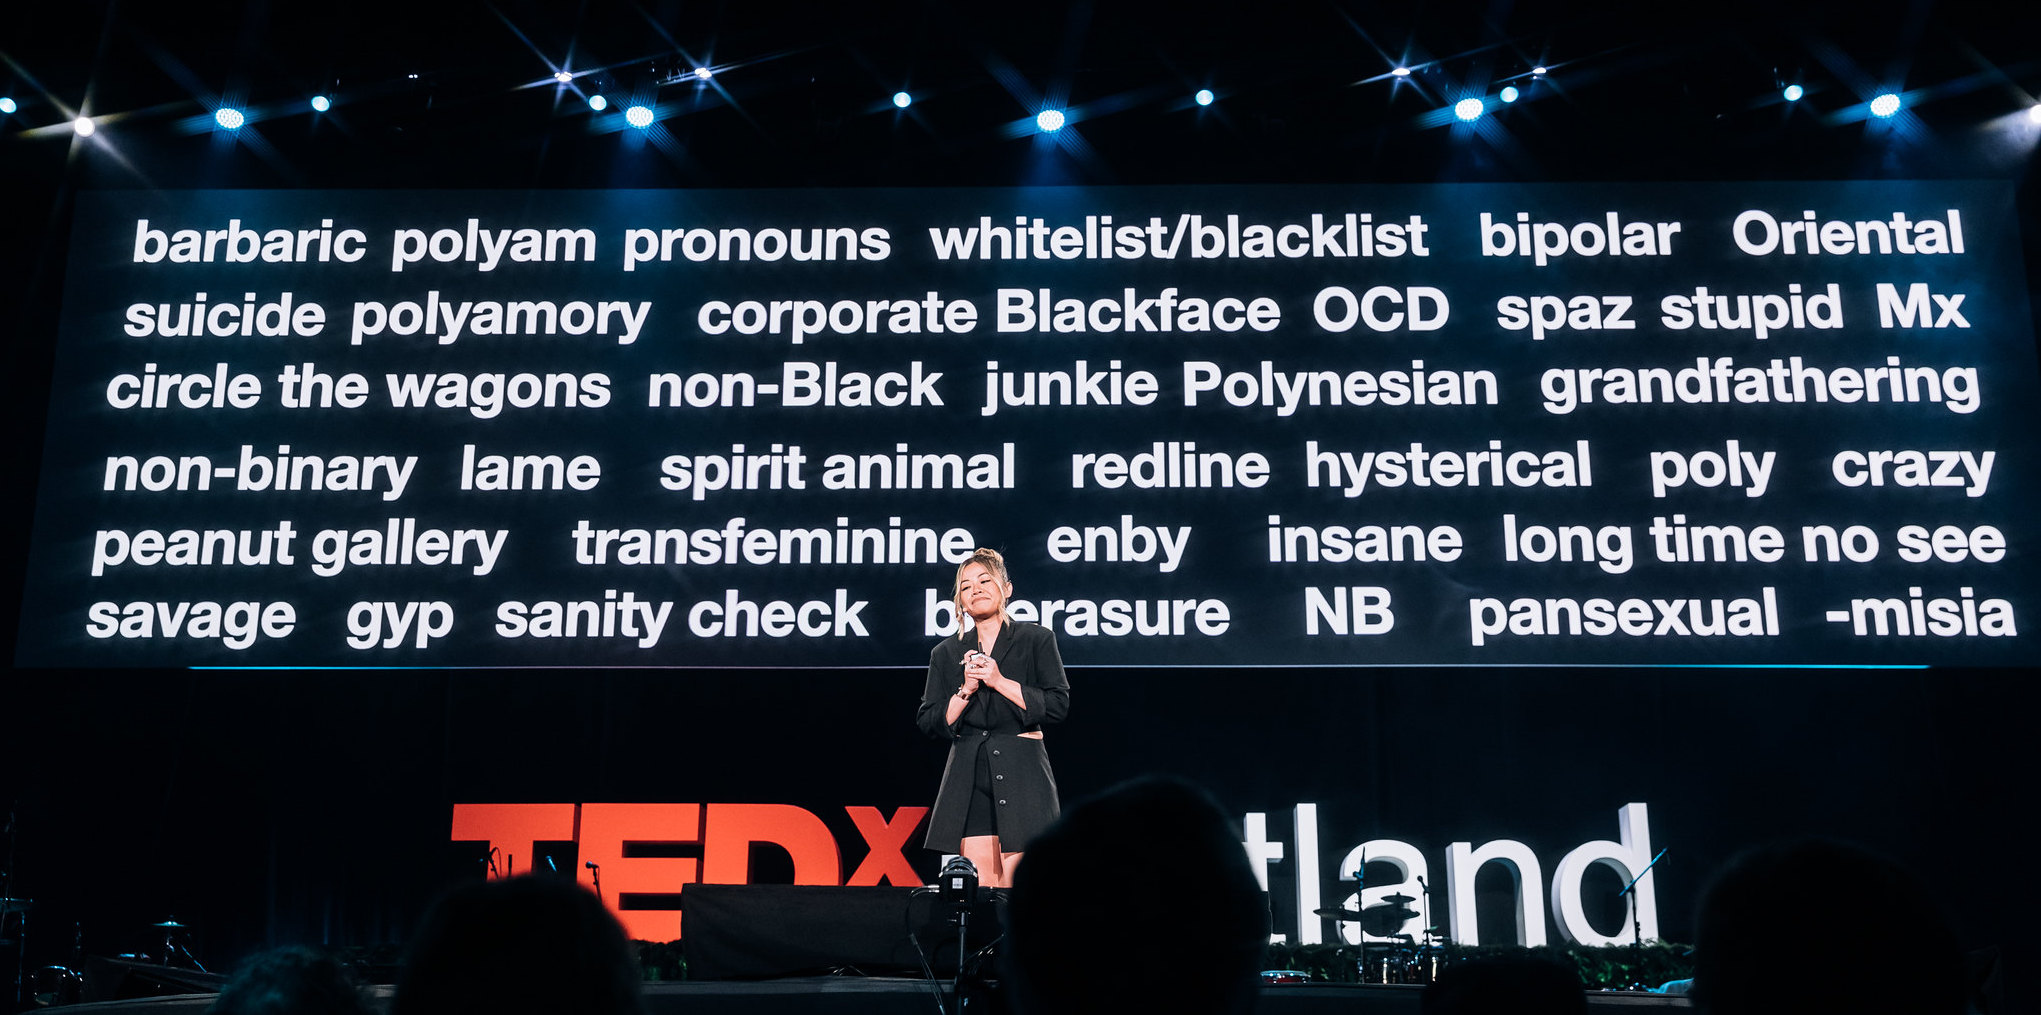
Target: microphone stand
(1429, 956)
(189, 957)
(1637, 915)
(1360, 929)
(597, 868)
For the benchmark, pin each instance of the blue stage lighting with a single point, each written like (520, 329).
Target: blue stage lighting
(7, 105)
(1509, 93)
(83, 126)
(229, 118)
(1539, 70)
(321, 103)
(638, 116)
(1402, 72)
(1049, 121)
(1885, 105)
(2033, 112)
(1469, 109)
(901, 100)
(598, 103)
(563, 77)
(704, 73)
(1204, 96)
(1794, 92)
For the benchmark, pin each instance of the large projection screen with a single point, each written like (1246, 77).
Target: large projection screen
(1770, 424)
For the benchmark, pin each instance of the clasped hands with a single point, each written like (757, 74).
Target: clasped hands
(980, 669)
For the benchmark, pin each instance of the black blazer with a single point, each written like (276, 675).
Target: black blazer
(1024, 786)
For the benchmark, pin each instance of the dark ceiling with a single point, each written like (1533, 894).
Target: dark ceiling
(461, 94)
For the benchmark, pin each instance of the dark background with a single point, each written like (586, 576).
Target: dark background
(312, 806)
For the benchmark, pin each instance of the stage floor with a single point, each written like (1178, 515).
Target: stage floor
(853, 995)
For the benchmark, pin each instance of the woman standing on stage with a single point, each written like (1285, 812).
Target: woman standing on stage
(990, 690)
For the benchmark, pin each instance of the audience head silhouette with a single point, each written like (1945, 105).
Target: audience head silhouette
(1505, 985)
(543, 946)
(292, 981)
(1863, 936)
(1156, 860)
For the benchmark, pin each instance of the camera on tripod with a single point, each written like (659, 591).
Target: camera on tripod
(958, 883)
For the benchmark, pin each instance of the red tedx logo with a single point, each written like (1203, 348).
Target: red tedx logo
(610, 834)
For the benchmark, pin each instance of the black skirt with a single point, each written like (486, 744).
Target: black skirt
(981, 815)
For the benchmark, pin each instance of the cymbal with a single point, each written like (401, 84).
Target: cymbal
(15, 905)
(1386, 911)
(1399, 898)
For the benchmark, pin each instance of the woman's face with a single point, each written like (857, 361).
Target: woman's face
(981, 591)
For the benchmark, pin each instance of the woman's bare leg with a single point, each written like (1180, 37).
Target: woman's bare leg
(983, 852)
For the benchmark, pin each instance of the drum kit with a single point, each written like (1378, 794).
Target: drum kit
(48, 985)
(1391, 958)
(45, 986)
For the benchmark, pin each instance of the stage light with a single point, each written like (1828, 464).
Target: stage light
(563, 77)
(901, 100)
(83, 127)
(229, 118)
(2033, 112)
(1509, 93)
(321, 103)
(1204, 96)
(1794, 92)
(1885, 105)
(598, 103)
(1402, 72)
(704, 73)
(1468, 109)
(1049, 121)
(638, 116)
(1538, 71)
(7, 105)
